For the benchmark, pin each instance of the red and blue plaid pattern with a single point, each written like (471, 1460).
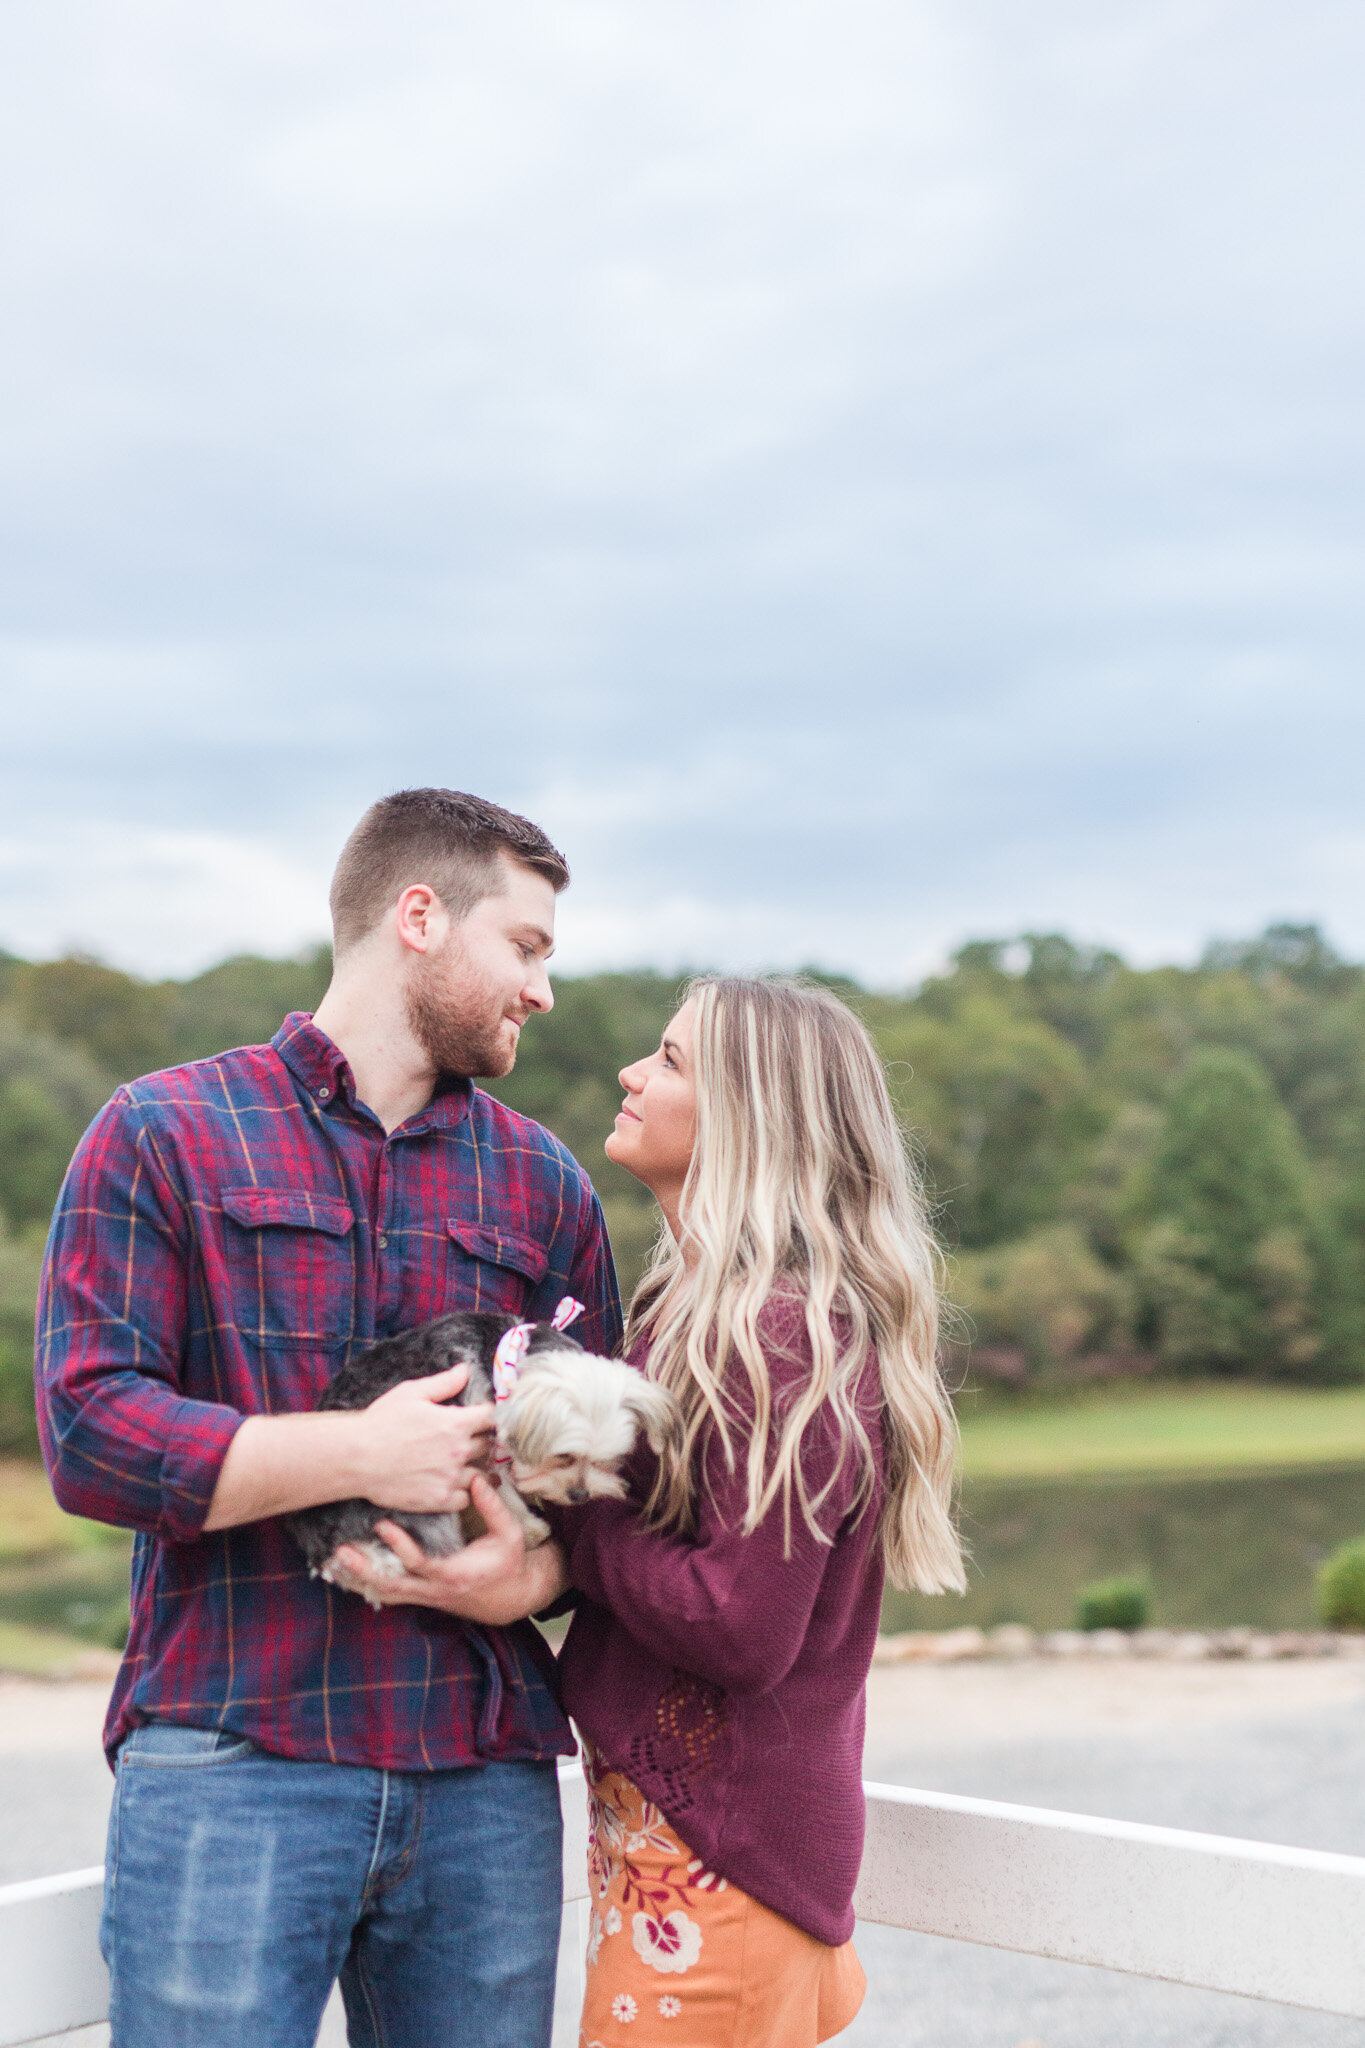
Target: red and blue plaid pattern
(227, 1233)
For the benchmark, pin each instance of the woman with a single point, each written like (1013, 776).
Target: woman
(716, 1667)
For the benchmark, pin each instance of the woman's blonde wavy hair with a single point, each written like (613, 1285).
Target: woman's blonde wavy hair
(801, 1182)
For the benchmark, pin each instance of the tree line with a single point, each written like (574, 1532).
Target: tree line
(1132, 1170)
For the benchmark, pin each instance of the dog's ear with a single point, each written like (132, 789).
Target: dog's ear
(655, 1411)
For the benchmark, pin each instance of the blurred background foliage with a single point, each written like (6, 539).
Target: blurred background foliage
(1135, 1171)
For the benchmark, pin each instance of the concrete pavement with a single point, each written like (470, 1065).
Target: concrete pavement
(1273, 1752)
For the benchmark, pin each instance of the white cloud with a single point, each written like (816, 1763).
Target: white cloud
(161, 901)
(864, 473)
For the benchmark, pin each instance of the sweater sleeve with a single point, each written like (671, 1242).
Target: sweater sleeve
(122, 1442)
(733, 1610)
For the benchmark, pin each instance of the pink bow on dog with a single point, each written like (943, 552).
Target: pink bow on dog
(513, 1346)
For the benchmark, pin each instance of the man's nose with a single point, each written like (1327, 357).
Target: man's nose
(538, 992)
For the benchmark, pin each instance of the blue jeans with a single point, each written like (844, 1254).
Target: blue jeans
(240, 1886)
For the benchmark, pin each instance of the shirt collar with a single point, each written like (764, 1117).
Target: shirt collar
(320, 1068)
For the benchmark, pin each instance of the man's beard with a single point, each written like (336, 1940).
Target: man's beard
(456, 1019)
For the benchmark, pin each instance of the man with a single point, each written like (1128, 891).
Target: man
(304, 1787)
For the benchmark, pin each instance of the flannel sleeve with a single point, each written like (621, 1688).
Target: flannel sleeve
(592, 1280)
(122, 1442)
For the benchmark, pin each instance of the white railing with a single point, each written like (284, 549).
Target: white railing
(1284, 1924)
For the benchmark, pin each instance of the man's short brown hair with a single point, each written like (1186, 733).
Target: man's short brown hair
(442, 837)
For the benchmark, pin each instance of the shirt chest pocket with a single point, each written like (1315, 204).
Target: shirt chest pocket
(494, 1269)
(290, 1260)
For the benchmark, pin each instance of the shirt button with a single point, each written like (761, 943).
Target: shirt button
(382, 1241)
(323, 1093)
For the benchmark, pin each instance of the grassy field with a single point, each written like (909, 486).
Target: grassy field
(63, 1582)
(1150, 1429)
(1220, 1496)
(32, 1524)
(1165, 1429)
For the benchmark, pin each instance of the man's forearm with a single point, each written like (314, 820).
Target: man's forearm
(410, 1449)
(277, 1463)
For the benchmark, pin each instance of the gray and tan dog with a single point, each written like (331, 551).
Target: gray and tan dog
(566, 1422)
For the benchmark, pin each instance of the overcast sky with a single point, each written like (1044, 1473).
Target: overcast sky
(862, 473)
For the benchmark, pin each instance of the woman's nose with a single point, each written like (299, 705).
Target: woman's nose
(630, 1080)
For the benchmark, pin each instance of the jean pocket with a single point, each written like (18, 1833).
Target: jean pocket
(171, 1744)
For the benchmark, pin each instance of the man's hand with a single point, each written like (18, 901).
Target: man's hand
(495, 1579)
(404, 1451)
(420, 1454)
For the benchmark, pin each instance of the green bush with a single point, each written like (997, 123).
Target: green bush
(1046, 1294)
(1341, 1586)
(1112, 1603)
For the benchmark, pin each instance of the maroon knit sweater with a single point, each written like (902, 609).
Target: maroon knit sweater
(728, 1681)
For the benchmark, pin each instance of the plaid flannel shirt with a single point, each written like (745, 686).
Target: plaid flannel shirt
(227, 1234)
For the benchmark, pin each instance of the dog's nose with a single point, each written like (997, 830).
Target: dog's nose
(577, 1495)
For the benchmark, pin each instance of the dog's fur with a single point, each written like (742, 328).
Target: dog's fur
(564, 1432)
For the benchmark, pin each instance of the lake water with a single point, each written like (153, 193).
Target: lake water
(1215, 1551)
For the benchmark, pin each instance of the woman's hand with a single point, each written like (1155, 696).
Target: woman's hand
(495, 1579)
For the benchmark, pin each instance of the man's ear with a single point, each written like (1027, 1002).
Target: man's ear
(420, 918)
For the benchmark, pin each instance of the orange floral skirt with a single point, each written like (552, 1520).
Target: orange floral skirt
(678, 1958)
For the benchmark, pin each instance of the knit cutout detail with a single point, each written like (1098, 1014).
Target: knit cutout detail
(691, 1729)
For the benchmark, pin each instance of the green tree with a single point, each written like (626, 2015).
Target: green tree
(121, 1022)
(1100, 1202)
(48, 1094)
(243, 1001)
(1299, 952)
(1001, 1105)
(1226, 1271)
(1041, 1078)
(1045, 1297)
(20, 1258)
(1340, 1239)
(1069, 986)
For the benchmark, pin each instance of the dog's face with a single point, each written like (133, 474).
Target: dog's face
(572, 1420)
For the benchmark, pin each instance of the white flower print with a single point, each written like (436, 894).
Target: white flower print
(624, 2008)
(671, 1944)
(594, 1938)
(608, 1824)
(613, 1921)
(653, 1833)
(669, 2006)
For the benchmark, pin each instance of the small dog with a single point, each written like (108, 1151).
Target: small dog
(567, 1420)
